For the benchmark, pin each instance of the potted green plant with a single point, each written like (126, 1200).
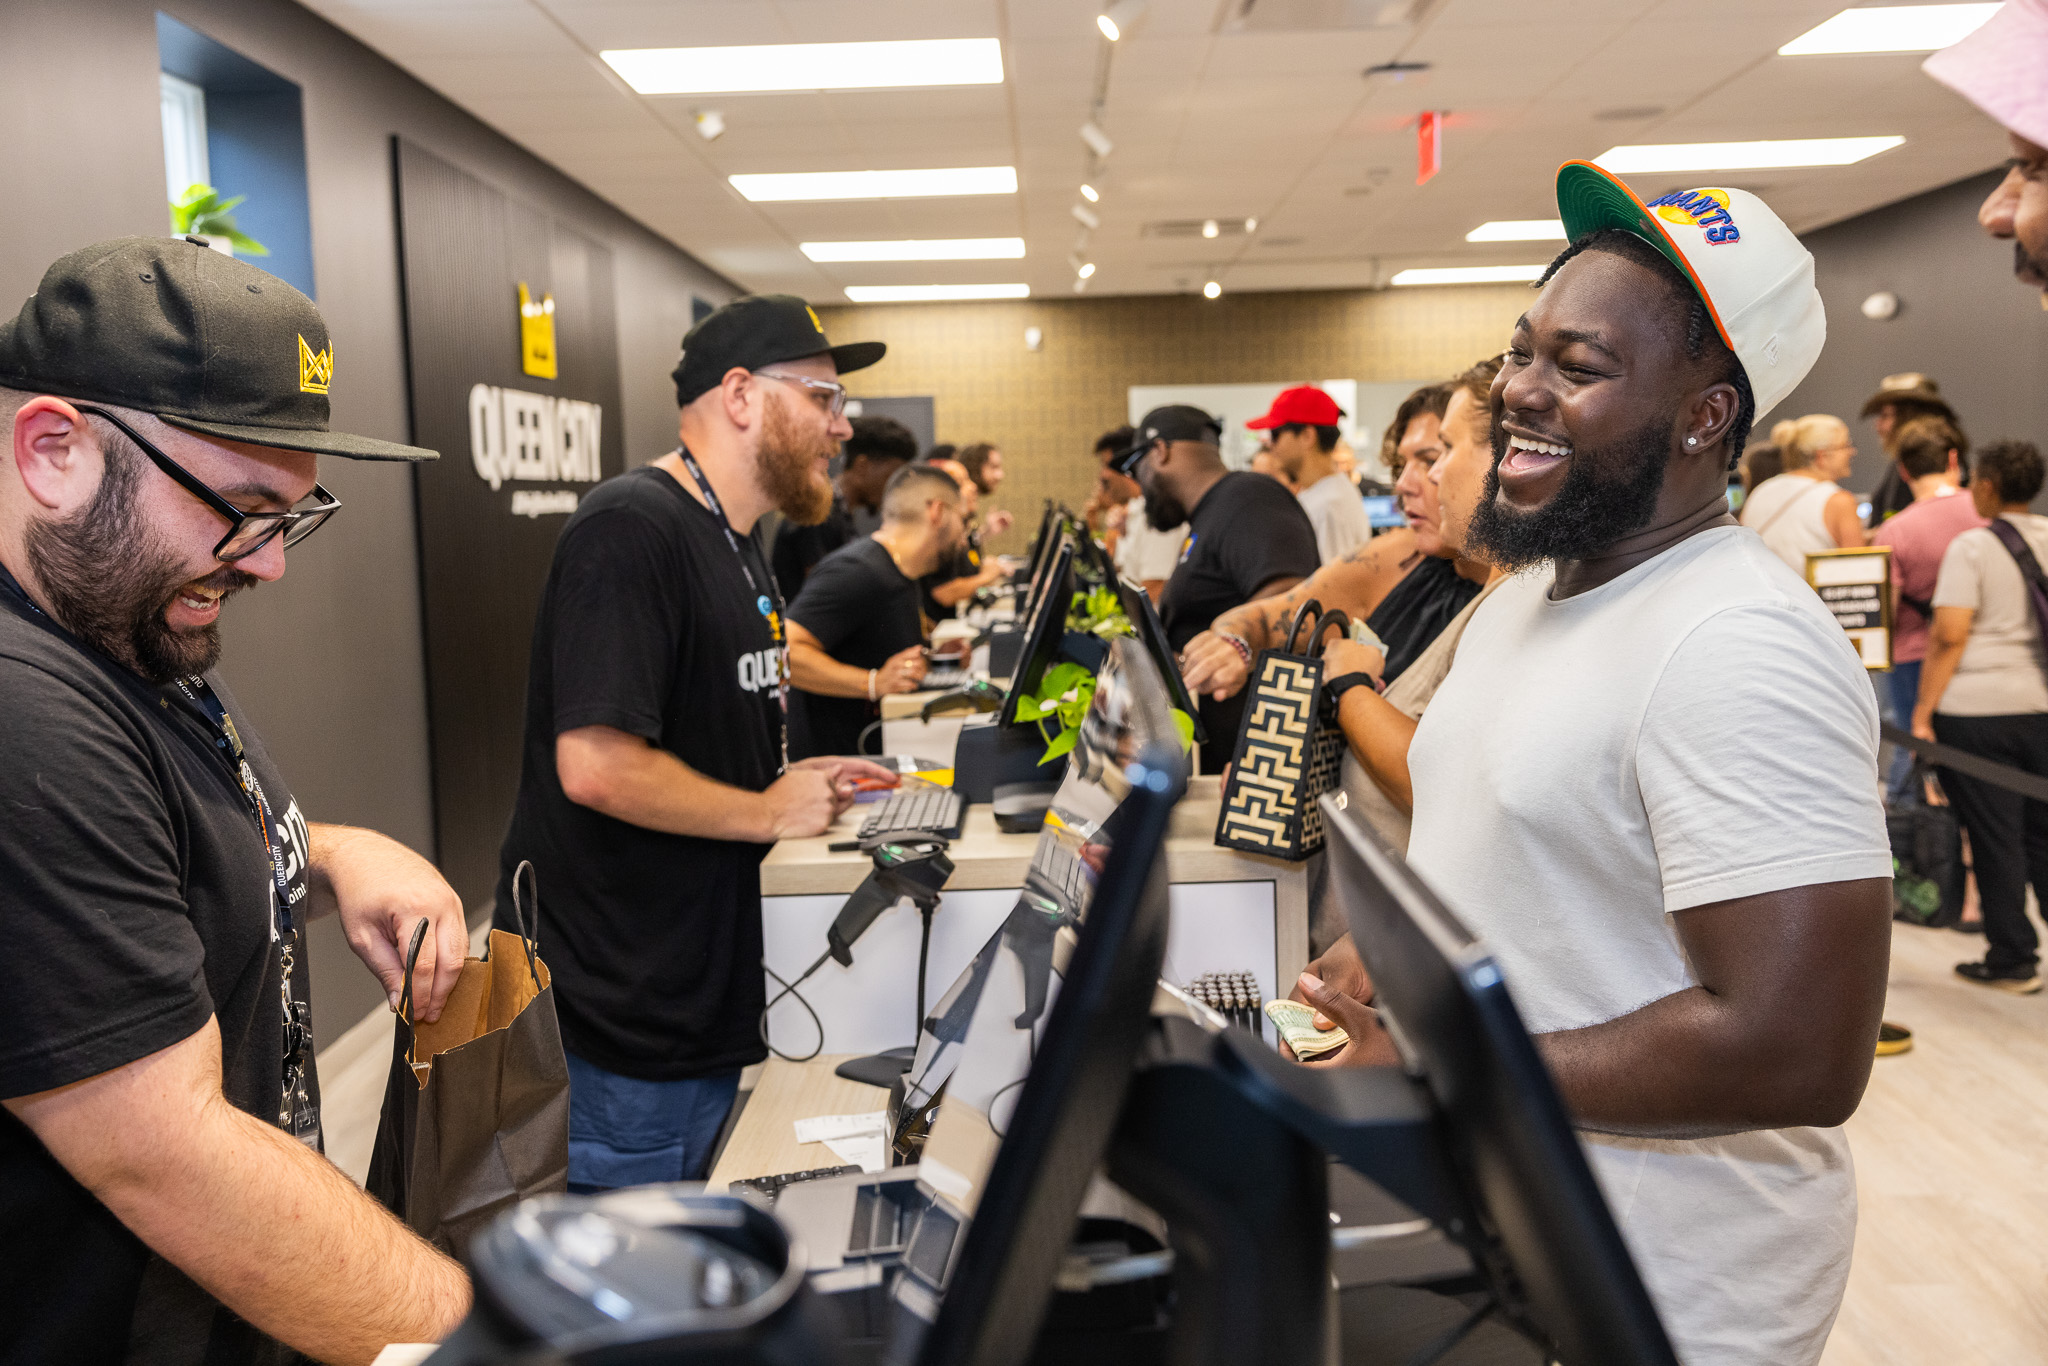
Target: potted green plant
(1094, 618)
(201, 212)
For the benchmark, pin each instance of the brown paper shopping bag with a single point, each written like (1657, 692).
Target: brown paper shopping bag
(476, 1110)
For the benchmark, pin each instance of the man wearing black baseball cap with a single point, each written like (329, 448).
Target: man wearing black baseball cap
(656, 773)
(160, 1172)
(1247, 538)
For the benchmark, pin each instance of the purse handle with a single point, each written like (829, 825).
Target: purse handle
(528, 941)
(1318, 621)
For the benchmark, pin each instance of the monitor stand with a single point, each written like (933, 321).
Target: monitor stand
(1230, 1144)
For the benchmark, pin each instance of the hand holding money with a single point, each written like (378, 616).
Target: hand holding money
(1367, 1043)
(1296, 1025)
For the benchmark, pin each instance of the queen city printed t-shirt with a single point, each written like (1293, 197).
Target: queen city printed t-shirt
(2001, 672)
(648, 625)
(1246, 532)
(1919, 536)
(863, 611)
(1695, 731)
(135, 897)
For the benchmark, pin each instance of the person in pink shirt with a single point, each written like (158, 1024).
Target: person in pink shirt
(1930, 452)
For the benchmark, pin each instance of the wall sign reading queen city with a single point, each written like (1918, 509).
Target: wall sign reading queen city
(534, 438)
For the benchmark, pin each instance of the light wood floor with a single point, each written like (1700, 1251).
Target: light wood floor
(1951, 1148)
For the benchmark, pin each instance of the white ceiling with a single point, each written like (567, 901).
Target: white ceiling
(1210, 119)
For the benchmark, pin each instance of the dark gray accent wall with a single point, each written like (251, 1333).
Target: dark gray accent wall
(328, 661)
(1965, 321)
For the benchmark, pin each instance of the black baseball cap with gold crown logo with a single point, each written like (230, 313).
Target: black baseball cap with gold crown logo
(758, 330)
(166, 325)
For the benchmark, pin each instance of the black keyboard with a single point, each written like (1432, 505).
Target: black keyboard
(943, 679)
(771, 1186)
(926, 809)
(1234, 996)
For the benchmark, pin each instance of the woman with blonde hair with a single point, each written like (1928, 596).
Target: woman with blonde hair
(1804, 509)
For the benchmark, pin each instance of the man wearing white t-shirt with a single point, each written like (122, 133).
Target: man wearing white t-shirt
(1649, 781)
(1302, 427)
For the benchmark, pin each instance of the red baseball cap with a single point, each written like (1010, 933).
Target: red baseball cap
(1304, 404)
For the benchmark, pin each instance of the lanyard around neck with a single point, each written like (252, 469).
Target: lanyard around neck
(777, 630)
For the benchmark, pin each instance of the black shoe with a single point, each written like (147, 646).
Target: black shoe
(1892, 1039)
(2020, 980)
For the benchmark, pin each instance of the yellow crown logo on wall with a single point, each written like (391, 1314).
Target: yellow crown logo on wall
(536, 334)
(316, 368)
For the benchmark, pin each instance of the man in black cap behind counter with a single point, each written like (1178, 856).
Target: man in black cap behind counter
(1247, 538)
(656, 774)
(161, 1182)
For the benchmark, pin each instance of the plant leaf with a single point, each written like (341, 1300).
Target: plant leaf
(243, 242)
(1061, 744)
(1030, 708)
(1185, 724)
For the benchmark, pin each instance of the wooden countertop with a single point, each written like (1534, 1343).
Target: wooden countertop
(984, 857)
(764, 1142)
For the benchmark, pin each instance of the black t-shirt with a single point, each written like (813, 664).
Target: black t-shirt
(135, 902)
(862, 610)
(648, 624)
(1246, 531)
(1415, 611)
(965, 564)
(799, 549)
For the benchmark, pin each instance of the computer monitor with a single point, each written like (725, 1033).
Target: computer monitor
(1042, 544)
(1512, 1146)
(1152, 634)
(1096, 565)
(1044, 628)
(1383, 512)
(1039, 1036)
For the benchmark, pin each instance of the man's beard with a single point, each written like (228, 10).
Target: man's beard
(1163, 511)
(109, 581)
(789, 474)
(1586, 515)
(2032, 270)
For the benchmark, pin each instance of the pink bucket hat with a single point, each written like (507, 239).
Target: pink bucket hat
(2002, 68)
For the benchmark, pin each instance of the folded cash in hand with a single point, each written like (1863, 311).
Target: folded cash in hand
(1296, 1023)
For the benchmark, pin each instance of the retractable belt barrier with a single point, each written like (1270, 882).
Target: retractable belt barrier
(2029, 785)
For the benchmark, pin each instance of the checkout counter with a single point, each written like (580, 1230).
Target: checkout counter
(1231, 912)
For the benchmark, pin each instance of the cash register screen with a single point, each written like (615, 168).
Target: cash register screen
(980, 1040)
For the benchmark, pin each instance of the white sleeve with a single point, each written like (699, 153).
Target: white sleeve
(1757, 760)
(1961, 580)
(1159, 552)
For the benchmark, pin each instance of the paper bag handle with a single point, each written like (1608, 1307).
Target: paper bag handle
(412, 958)
(529, 937)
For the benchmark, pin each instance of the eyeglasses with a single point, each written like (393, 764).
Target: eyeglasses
(833, 394)
(248, 532)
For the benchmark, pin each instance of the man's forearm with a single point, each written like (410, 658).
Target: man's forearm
(269, 1227)
(813, 671)
(628, 779)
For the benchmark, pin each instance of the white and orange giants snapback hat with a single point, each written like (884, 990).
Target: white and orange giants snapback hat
(1753, 274)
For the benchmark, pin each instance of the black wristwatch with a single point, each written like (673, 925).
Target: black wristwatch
(1335, 688)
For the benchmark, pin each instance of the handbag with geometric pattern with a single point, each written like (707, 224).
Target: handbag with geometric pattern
(1290, 749)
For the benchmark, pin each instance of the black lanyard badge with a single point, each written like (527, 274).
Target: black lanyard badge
(297, 1112)
(770, 601)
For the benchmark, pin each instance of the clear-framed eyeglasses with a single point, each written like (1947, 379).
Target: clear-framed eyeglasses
(832, 395)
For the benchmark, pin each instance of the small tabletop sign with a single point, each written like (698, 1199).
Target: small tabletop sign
(1856, 586)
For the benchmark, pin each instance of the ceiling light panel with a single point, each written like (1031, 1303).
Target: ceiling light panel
(1742, 156)
(1895, 28)
(817, 185)
(932, 249)
(1468, 275)
(809, 66)
(919, 294)
(1518, 230)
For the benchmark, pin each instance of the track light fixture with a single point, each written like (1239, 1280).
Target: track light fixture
(1120, 18)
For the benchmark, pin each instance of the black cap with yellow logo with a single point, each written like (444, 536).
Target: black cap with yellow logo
(758, 330)
(208, 343)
